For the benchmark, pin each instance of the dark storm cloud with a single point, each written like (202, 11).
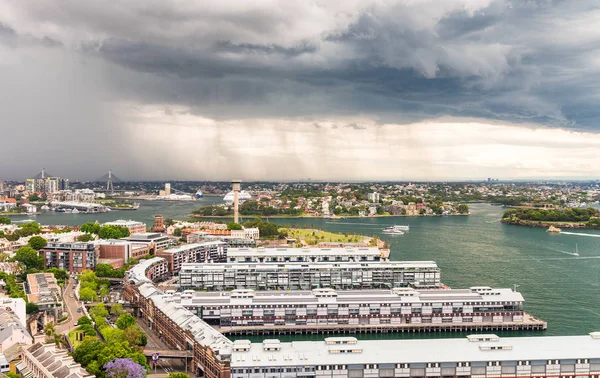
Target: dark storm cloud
(399, 61)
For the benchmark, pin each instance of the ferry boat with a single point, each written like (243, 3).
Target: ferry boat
(199, 194)
(553, 229)
(394, 230)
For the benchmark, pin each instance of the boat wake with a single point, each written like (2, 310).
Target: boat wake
(580, 234)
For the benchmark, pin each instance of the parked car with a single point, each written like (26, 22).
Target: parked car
(79, 309)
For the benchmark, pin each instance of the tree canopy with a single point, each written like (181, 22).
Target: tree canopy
(29, 257)
(5, 220)
(90, 228)
(37, 242)
(113, 232)
(125, 320)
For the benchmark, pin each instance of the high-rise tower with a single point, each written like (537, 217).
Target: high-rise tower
(236, 186)
(109, 183)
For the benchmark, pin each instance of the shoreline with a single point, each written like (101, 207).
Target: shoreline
(329, 218)
(545, 224)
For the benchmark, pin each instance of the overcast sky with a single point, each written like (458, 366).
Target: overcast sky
(292, 89)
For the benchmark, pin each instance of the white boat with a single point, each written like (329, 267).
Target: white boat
(45, 207)
(242, 196)
(75, 211)
(576, 250)
(199, 194)
(394, 230)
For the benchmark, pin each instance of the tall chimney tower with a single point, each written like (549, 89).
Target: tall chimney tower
(236, 186)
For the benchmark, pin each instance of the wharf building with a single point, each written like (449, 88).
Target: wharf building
(193, 253)
(72, 257)
(134, 227)
(324, 310)
(306, 254)
(478, 355)
(308, 276)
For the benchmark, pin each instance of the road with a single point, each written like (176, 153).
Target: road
(71, 306)
(164, 365)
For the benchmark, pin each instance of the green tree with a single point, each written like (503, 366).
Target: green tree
(135, 336)
(87, 294)
(463, 208)
(113, 335)
(85, 238)
(37, 242)
(29, 257)
(177, 231)
(125, 321)
(113, 232)
(5, 220)
(116, 309)
(234, 226)
(178, 375)
(84, 320)
(59, 274)
(31, 308)
(99, 310)
(90, 228)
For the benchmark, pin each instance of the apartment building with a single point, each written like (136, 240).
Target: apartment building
(306, 254)
(47, 361)
(307, 276)
(193, 253)
(43, 290)
(72, 257)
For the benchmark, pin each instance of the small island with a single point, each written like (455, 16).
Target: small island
(558, 218)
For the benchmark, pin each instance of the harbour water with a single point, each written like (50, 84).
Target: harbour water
(559, 287)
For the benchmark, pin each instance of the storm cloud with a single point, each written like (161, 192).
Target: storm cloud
(119, 75)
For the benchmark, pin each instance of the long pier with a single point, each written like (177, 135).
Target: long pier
(530, 323)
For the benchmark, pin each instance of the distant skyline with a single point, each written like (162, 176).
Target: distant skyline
(406, 90)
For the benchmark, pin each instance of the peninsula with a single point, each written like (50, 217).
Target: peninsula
(562, 218)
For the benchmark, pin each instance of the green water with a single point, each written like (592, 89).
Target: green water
(476, 250)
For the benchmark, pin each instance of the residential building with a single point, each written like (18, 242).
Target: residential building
(373, 197)
(134, 227)
(12, 331)
(148, 270)
(306, 254)
(72, 257)
(122, 250)
(307, 276)
(194, 253)
(156, 241)
(43, 290)
(47, 361)
(231, 241)
(16, 306)
(251, 233)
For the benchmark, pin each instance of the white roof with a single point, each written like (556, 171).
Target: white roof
(203, 333)
(187, 247)
(293, 252)
(303, 266)
(348, 296)
(122, 222)
(137, 273)
(420, 351)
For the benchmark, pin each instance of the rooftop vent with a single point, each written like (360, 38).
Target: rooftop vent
(271, 344)
(490, 337)
(340, 340)
(595, 335)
